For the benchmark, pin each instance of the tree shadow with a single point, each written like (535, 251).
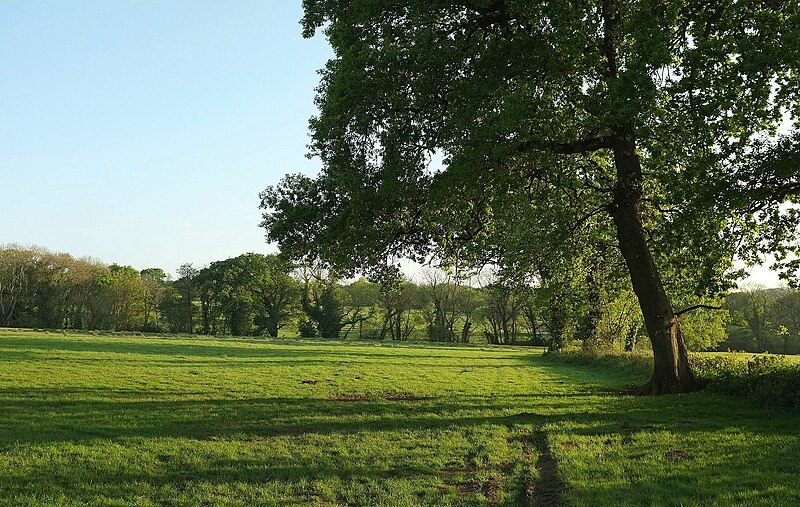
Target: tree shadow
(575, 407)
(223, 350)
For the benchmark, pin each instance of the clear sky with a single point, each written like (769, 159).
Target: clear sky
(142, 131)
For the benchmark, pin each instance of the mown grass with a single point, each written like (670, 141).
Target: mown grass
(126, 420)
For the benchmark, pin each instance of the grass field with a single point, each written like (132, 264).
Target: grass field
(124, 420)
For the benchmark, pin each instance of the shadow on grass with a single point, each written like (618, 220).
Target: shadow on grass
(245, 421)
(574, 401)
(33, 415)
(222, 350)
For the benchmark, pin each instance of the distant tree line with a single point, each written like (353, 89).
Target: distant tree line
(259, 295)
(764, 320)
(43, 289)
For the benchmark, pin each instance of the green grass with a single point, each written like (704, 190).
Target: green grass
(127, 420)
(748, 355)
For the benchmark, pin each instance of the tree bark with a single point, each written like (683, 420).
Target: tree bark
(672, 372)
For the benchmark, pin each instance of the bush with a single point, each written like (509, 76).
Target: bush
(306, 328)
(770, 380)
(629, 361)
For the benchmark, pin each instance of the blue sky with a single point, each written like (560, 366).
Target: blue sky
(141, 132)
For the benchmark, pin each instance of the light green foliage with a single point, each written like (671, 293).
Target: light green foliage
(620, 322)
(126, 420)
(705, 329)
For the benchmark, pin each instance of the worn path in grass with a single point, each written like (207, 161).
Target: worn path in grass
(123, 420)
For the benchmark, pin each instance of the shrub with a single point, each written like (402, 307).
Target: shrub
(628, 361)
(770, 380)
(306, 328)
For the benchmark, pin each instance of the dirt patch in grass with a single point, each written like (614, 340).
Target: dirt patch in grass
(546, 490)
(467, 489)
(494, 485)
(409, 397)
(403, 397)
(466, 484)
(463, 479)
(676, 455)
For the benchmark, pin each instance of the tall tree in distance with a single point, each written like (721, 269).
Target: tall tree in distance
(276, 292)
(397, 300)
(15, 268)
(186, 287)
(153, 280)
(647, 120)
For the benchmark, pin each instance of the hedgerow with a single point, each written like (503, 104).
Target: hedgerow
(769, 380)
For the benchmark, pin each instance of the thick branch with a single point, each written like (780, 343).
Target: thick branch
(697, 307)
(586, 145)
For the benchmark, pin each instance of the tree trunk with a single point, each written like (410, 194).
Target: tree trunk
(672, 372)
(272, 326)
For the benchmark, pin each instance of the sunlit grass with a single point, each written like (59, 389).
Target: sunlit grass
(127, 420)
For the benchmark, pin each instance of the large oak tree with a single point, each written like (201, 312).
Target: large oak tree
(465, 128)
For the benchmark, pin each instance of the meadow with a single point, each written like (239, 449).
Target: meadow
(118, 420)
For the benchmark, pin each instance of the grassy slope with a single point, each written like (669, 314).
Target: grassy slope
(122, 420)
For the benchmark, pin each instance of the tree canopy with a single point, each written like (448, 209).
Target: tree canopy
(519, 133)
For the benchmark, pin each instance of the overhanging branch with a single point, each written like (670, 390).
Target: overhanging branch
(697, 307)
(582, 220)
(585, 145)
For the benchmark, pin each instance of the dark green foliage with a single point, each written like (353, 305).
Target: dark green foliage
(251, 294)
(770, 380)
(764, 320)
(306, 328)
(173, 309)
(326, 311)
(560, 126)
(336, 310)
(187, 291)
